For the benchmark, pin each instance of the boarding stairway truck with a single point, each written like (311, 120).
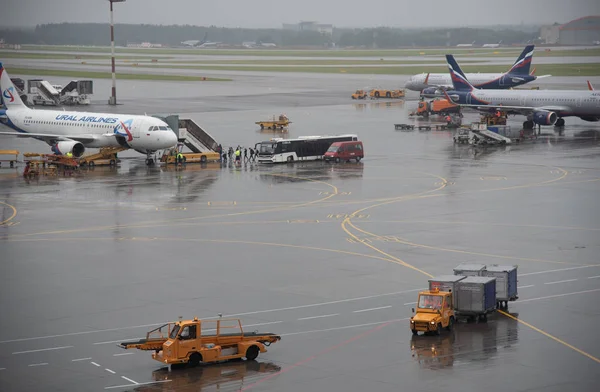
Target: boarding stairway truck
(482, 135)
(194, 341)
(77, 92)
(474, 291)
(202, 145)
(43, 93)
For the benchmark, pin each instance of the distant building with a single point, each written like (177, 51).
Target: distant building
(143, 45)
(550, 34)
(310, 26)
(582, 31)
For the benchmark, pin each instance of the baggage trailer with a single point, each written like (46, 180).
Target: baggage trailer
(475, 297)
(506, 283)
(446, 283)
(193, 341)
(469, 269)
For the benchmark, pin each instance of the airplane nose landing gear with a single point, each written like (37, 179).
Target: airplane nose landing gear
(149, 159)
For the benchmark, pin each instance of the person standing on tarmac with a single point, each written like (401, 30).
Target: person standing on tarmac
(245, 154)
(251, 154)
(179, 158)
(238, 154)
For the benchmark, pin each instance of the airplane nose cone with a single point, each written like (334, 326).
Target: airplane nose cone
(171, 139)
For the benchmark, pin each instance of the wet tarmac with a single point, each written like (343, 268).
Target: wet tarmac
(329, 256)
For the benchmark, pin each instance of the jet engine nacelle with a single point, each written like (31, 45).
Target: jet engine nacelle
(431, 92)
(544, 117)
(76, 148)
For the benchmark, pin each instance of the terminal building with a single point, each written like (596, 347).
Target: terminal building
(582, 31)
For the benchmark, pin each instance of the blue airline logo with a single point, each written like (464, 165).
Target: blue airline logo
(87, 119)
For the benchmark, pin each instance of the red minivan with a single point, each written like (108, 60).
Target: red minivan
(345, 151)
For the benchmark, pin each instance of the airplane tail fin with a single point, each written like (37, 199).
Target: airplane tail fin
(459, 80)
(10, 96)
(523, 63)
(590, 87)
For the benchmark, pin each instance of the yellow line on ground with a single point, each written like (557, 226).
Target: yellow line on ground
(13, 214)
(398, 261)
(433, 222)
(170, 221)
(549, 336)
(199, 240)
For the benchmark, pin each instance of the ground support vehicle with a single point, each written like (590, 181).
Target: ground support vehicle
(360, 94)
(170, 157)
(498, 118)
(345, 151)
(382, 93)
(106, 156)
(469, 269)
(194, 341)
(475, 297)
(506, 283)
(304, 148)
(435, 311)
(280, 123)
(11, 162)
(438, 106)
(462, 136)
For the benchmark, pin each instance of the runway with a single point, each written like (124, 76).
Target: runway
(329, 256)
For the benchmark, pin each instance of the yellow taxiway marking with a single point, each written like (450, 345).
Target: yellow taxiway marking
(14, 213)
(401, 262)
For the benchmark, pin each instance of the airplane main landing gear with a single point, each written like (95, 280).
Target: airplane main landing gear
(560, 122)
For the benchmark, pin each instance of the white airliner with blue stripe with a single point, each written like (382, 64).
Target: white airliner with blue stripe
(74, 131)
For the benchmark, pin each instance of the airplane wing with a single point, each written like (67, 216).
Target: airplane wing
(52, 138)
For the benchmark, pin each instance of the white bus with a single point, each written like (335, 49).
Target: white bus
(305, 148)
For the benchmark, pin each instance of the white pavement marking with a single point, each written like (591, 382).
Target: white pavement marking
(344, 327)
(368, 310)
(524, 287)
(130, 380)
(215, 317)
(557, 270)
(561, 281)
(558, 295)
(41, 349)
(2, 368)
(80, 359)
(120, 355)
(110, 371)
(141, 383)
(410, 303)
(38, 364)
(117, 341)
(95, 364)
(316, 317)
(593, 277)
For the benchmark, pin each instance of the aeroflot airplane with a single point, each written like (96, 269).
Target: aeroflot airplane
(432, 84)
(542, 107)
(74, 131)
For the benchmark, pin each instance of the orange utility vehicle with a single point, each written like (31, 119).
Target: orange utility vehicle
(194, 341)
(435, 310)
(360, 94)
(382, 93)
(439, 106)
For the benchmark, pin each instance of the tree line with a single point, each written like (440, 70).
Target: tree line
(381, 37)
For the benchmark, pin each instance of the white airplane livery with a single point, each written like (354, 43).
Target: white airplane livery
(74, 131)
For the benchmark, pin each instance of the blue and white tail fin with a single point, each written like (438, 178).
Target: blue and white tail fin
(459, 80)
(523, 63)
(10, 95)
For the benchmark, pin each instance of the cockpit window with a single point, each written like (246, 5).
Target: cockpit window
(162, 128)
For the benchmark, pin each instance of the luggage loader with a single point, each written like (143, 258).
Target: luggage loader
(194, 341)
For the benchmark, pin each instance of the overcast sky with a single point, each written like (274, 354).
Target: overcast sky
(271, 13)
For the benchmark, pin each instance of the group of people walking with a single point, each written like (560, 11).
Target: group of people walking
(246, 154)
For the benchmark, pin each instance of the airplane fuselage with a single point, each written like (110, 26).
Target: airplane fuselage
(479, 80)
(141, 133)
(583, 104)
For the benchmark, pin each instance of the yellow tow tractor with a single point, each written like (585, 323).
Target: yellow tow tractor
(360, 94)
(276, 123)
(194, 341)
(435, 310)
(382, 93)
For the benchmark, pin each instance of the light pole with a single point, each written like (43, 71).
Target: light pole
(113, 98)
